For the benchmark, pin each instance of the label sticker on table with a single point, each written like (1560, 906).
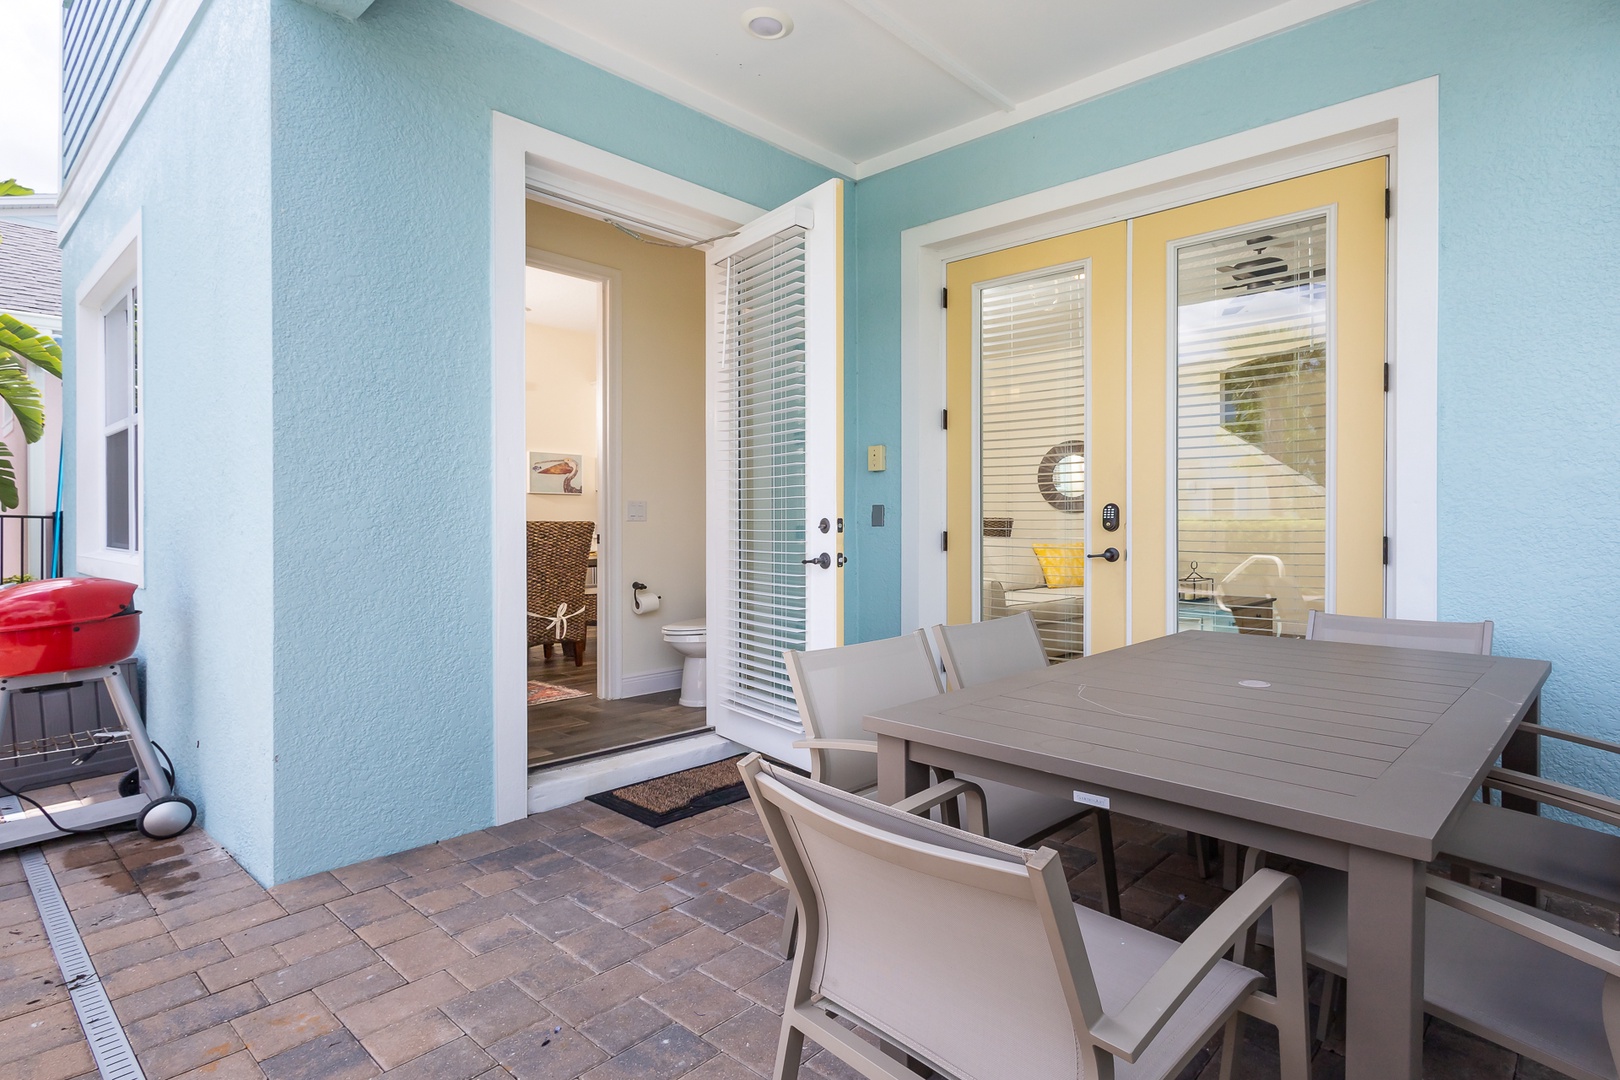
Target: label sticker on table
(1099, 801)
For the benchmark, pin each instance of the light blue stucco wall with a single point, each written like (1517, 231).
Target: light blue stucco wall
(1529, 323)
(196, 168)
(380, 182)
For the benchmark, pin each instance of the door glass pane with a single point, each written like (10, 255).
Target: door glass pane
(118, 500)
(1032, 466)
(1251, 399)
(762, 438)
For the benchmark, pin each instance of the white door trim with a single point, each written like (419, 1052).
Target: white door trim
(524, 157)
(609, 559)
(1402, 122)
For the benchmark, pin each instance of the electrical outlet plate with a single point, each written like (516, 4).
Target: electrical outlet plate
(877, 458)
(635, 510)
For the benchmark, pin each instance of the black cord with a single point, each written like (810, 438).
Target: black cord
(57, 825)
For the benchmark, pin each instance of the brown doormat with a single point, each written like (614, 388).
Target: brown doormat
(678, 795)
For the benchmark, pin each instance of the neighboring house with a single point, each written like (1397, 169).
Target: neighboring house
(31, 289)
(291, 244)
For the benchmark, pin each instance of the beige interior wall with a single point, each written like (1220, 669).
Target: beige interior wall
(661, 424)
(561, 410)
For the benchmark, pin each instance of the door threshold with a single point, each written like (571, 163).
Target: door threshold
(637, 744)
(560, 785)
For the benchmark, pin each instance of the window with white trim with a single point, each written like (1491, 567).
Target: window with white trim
(110, 435)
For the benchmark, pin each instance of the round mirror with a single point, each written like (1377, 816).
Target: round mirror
(1062, 476)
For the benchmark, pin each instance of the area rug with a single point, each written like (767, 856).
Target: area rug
(542, 692)
(678, 795)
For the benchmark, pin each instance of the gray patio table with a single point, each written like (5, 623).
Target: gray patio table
(1352, 756)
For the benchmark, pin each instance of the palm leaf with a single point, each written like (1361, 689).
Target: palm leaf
(18, 391)
(25, 343)
(8, 480)
(11, 187)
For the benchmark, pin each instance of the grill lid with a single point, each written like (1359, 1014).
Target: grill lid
(63, 601)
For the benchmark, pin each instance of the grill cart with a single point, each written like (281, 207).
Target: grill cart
(61, 633)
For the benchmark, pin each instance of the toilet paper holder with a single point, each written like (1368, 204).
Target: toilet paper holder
(643, 606)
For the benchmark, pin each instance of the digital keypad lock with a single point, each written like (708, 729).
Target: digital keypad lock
(1110, 517)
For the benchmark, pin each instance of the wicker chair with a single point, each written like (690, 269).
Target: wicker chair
(559, 554)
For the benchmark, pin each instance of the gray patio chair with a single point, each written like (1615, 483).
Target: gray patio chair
(981, 652)
(897, 908)
(834, 689)
(1458, 637)
(1535, 983)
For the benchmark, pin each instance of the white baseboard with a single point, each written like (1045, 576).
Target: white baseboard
(565, 784)
(652, 682)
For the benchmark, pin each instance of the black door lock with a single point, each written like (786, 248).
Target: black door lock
(1111, 555)
(823, 560)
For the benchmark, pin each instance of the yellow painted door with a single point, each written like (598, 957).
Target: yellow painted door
(1035, 347)
(1257, 406)
(1215, 373)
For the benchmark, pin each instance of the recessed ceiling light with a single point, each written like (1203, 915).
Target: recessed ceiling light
(767, 24)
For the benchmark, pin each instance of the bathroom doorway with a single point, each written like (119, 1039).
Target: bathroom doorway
(613, 401)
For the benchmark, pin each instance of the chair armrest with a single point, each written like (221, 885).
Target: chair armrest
(1538, 788)
(860, 745)
(1570, 736)
(1522, 922)
(1127, 1033)
(944, 792)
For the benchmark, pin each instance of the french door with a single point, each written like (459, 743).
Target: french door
(775, 463)
(1175, 422)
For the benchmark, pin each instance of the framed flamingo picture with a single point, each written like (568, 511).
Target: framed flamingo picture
(556, 474)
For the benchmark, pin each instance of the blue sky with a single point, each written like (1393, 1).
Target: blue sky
(32, 31)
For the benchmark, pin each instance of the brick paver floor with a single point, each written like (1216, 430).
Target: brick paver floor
(575, 943)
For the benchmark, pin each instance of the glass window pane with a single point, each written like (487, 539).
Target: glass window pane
(1251, 361)
(116, 361)
(1033, 455)
(118, 501)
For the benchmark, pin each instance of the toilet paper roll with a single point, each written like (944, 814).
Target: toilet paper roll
(645, 602)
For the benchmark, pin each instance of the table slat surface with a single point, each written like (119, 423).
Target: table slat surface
(1372, 746)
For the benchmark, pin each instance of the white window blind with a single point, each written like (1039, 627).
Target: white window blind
(760, 431)
(1252, 333)
(121, 423)
(1032, 339)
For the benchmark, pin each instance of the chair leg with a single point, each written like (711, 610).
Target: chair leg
(1197, 848)
(1229, 1042)
(547, 648)
(1330, 1001)
(1105, 854)
(579, 653)
(790, 927)
(788, 1049)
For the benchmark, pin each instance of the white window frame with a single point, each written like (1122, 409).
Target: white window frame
(113, 277)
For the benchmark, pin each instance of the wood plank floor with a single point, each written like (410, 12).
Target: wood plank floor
(565, 730)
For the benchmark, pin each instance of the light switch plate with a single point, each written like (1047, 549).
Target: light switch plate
(877, 458)
(635, 510)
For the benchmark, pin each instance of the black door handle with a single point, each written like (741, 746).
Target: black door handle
(1111, 554)
(823, 560)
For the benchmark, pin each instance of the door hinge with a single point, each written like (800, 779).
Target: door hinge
(945, 541)
(945, 419)
(1386, 378)
(944, 298)
(1388, 202)
(1386, 551)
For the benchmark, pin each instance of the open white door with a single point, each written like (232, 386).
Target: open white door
(775, 462)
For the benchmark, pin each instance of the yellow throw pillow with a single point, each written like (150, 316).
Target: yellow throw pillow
(1063, 565)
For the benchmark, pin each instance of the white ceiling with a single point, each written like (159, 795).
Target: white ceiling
(864, 85)
(557, 300)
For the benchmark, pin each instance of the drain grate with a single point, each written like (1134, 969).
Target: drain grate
(115, 1059)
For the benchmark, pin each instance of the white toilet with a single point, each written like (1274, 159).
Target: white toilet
(691, 640)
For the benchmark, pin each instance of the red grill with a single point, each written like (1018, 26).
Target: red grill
(65, 624)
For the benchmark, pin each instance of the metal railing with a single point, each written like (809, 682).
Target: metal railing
(29, 547)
